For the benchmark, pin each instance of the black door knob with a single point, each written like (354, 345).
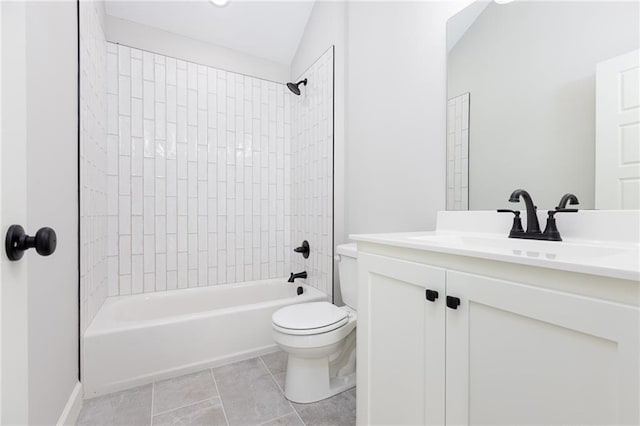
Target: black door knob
(16, 242)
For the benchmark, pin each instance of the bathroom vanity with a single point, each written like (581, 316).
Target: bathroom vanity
(460, 327)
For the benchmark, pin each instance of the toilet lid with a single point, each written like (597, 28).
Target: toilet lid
(310, 318)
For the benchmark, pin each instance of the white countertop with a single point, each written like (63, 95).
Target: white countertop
(608, 258)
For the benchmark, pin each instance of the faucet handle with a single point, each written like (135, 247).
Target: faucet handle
(551, 232)
(515, 212)
(561, 210)
(516, 228)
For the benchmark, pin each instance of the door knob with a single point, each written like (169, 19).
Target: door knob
(16, 242)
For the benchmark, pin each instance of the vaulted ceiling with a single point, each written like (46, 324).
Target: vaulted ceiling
(265, 29)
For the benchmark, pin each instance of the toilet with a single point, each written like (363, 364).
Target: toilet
(320, 339)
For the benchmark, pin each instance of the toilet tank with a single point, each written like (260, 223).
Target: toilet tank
(348, 273)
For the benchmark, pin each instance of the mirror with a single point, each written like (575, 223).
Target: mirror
(522, 108)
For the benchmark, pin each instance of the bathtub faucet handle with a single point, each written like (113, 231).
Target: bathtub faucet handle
(293, 276)
(303, 249)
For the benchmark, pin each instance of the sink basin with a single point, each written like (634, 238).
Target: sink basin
(555, 250)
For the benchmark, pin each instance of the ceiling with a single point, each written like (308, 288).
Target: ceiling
(267, 29)
(458, 25)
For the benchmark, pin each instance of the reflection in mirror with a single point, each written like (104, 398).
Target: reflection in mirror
(528, 84)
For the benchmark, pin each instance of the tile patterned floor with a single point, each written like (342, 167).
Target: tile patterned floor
(243, 394)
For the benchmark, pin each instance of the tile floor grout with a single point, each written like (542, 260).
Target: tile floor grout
(215, 383)
(162, 413)
(153, 391)
(282, 391)
(152, 416)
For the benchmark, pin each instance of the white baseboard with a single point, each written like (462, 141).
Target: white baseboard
(72, 409)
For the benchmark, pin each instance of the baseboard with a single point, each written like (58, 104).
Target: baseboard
(145, 379)
(72, 409)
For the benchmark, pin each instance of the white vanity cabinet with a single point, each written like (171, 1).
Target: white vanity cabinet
(510, 353)
(401, 342)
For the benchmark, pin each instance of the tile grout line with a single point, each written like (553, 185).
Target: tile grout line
(215, 383)
(153, 391)
(272, 376)
(276, 383)
(299, 416)
(186, 405)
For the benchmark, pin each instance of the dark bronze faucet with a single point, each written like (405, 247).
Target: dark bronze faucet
(293, 276)
(533, 226)
(567, 198)
(533, 232)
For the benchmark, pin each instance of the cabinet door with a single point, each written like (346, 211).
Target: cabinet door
(400, 342)
(518, 354)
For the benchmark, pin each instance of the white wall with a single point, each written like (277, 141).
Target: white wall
(52, 200)
(530, 69)
(159, 41)
(396, 109)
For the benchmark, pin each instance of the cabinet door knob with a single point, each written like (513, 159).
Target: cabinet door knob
(431, 295)
(453, 302)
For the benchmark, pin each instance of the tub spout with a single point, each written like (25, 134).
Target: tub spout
(293, 276)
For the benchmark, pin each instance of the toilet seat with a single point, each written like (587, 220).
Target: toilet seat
(309, 318)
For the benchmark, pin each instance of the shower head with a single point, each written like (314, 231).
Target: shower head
(295, 87)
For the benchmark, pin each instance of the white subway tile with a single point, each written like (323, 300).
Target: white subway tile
(124, 254)
(124, 60)
(136, 78)
(125, 284)
(161, 272)
(149, 282)
(137, 235)
(149, 254)
(137, 274)
(124, 216)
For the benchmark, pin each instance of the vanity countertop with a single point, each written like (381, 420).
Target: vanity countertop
(609, 258)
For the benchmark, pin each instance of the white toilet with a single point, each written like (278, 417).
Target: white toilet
(320, 339)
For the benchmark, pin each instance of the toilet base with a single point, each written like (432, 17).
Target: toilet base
(308, 380)
(311, 379)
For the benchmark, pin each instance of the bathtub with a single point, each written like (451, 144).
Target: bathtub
(137, 339)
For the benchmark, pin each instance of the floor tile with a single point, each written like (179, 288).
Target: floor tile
(288, 420)
(249, 394)
(131, 407)
(184, 390)
(339, 410)
(277, 364)
(208, 413)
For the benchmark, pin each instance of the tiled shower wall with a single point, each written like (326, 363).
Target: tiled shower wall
(312, 173)
(93, 161)
(198, 175)
(458, 152)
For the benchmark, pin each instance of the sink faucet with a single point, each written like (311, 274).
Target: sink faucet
(533, 226)
(293, 276)
(567, 198)
(551, 232)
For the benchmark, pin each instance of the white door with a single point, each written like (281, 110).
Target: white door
(618, 132)
(519, 354)
(38, 188)
(13, 202)
(400, 342)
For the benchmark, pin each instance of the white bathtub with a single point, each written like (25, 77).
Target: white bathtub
(137, 339)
